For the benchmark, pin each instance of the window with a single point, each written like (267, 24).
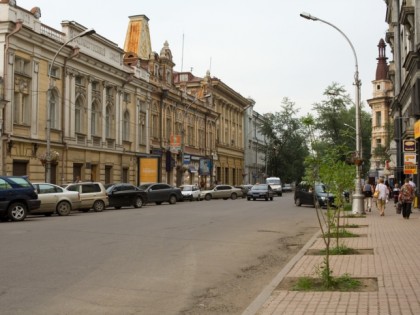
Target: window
(53, 109)
(126, 126)
(78, 116)
(155, 125)
(126, 97)
(378, 142)
(108, 122)
(95, 120)
(22, 108)
(168, 127)
(55, 72)
(79, 80)
(378, 119)
(142, 128)
(22, 66)
(95, 86)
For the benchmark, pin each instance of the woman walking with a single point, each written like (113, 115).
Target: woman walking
(382, 197)
(368, 192)
(406, 197)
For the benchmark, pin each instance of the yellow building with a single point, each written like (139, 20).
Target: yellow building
(228, 156)
(92, 110)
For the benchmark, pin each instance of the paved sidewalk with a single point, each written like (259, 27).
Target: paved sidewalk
(395, 263)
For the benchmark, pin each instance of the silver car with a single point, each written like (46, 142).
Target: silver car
(221, 192)
(55, 199)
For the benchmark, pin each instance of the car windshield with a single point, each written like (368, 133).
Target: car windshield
(320, 188)
(110, 188)
(273, 181)
(186, 188)
(259, 187)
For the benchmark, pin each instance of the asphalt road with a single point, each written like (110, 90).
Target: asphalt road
(167, 259)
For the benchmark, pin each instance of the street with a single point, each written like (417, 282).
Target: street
(208, 257)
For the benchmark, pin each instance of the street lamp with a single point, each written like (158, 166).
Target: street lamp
(50, 87)
(183, 133)
(358, 205)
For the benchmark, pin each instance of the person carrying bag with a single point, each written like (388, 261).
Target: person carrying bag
(406, 197)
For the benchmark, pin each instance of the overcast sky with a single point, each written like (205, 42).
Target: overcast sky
(262, 49)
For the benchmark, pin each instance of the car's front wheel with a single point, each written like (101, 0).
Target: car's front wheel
(207, 197)
(63, 208)
(17, 211)
(138, 203)
(233, 196)
(98, 206)
(172, 199)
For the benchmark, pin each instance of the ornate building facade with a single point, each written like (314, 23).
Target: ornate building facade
(403, 36)
(94, 110)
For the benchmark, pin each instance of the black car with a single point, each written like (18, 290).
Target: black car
(318, 195)
(160, 192)
(125, 195)
(18, 197)
(260, 191)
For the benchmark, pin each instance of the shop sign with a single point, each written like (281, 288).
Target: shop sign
(409, 145)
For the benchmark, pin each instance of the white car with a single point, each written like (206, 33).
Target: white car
(55, 199)
(190, 192)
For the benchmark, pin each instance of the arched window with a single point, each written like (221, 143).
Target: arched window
(108, 122)
(78, 116)
(126, 126)
(95, 120)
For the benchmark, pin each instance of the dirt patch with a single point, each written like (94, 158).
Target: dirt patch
(367, 284)
(233, 295)
(359, 251)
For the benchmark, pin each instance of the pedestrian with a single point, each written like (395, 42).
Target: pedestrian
(383, 194)
(77, 179)
(406, 196)
(368, 192)
(396, 193)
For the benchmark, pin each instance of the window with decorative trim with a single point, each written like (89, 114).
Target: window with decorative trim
(126, 126)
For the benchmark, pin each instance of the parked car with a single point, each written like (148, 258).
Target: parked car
(55, 199)
(125, 195)
(287, 188)
(221, 192)
(92, 195)
(161, 192)
(260, 191)
(275, 183)
(318, 195)
(190, 192)
(18, 197)
(245, 189)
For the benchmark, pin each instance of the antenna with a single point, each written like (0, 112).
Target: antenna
(210, 66)
(182, 55)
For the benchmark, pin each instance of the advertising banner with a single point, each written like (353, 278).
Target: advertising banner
(148, 170)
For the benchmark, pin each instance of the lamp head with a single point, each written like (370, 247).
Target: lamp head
(307, 16)
(87, 32)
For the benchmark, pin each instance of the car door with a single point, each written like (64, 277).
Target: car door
(117, 196)
(48, 196)
(157, 193)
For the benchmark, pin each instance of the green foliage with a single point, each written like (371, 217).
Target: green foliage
(286, 147)
(340, 250)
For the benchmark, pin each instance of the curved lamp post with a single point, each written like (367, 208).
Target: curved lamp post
(50, 86)
(358, 205)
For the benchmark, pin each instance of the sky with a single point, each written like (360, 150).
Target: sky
(262, 49)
